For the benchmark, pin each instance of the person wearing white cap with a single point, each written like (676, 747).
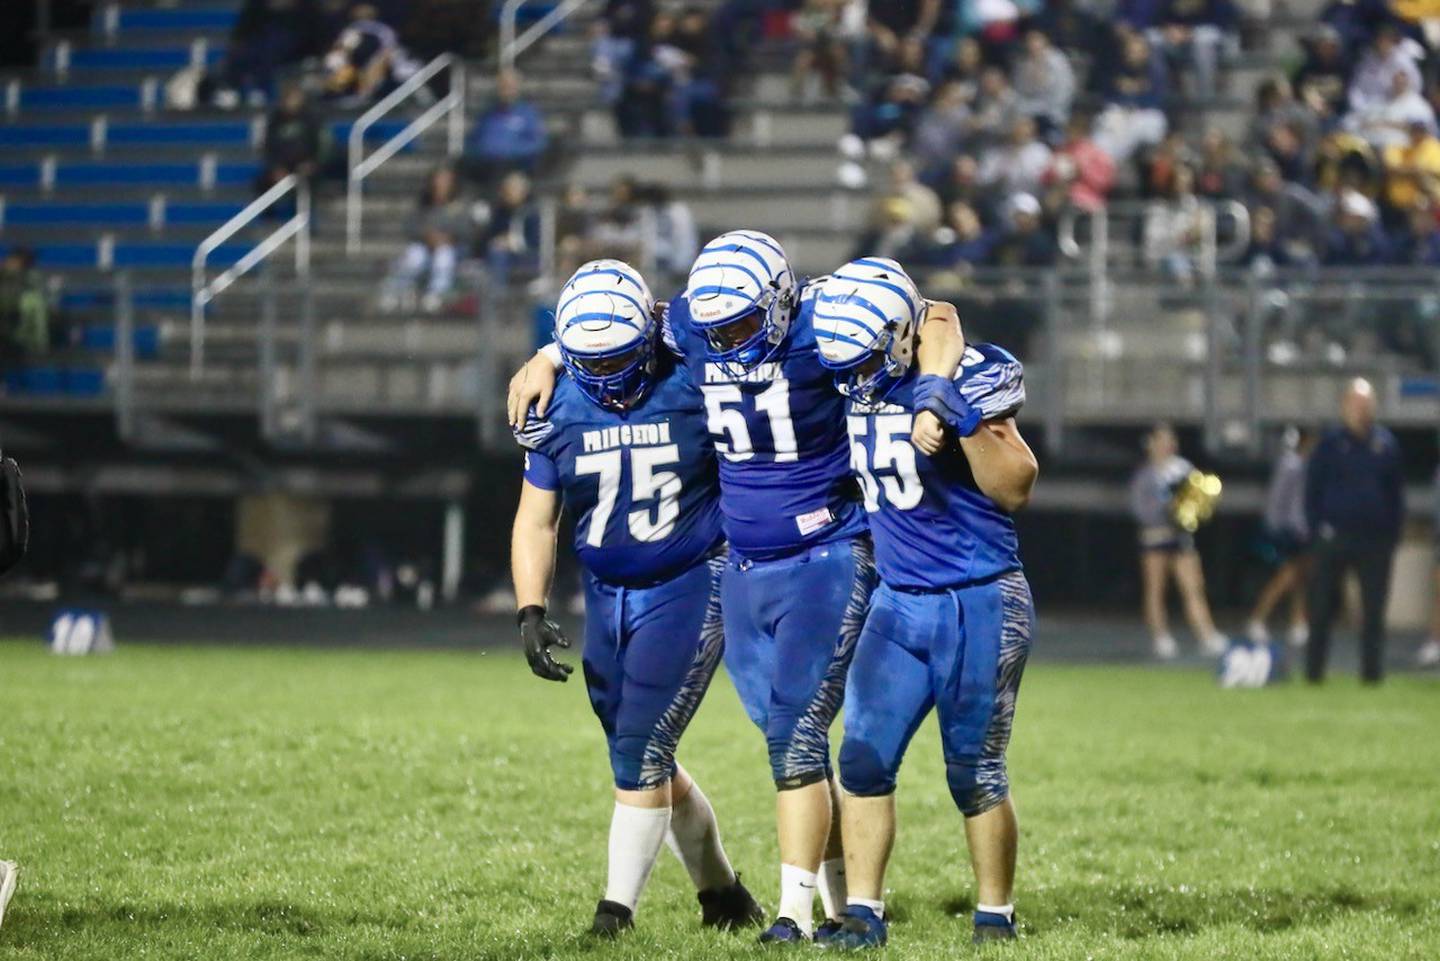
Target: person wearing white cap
(1356, 240)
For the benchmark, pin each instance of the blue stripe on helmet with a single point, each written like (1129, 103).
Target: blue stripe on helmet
(854, 321)
(739, 249)
(600, 315)
(893, 288)
(762, 240)
(731, 266)
(858, 301)
(607, 293)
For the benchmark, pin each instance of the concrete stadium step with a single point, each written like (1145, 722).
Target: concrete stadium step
(761, 125)
(774, 167)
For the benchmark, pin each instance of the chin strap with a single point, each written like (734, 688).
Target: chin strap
(941, 397)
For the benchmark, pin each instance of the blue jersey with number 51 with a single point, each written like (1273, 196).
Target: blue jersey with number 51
(933, 527)
(779, 429)
(641, 485)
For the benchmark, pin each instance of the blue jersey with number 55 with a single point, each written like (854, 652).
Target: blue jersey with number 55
(641, 485)
(779, 429)
(933, 527)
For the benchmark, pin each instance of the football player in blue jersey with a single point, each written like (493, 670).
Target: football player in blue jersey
(625, 443)
(949, 626)
(801, 567)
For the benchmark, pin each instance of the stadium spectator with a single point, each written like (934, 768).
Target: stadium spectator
(996, 106)
(702, 77)
(509, 239)
(1072, 25)
(1219, 173)
(1420, 241)
(267, 35)
(24, 309)
(1294, 231)
(438, 230)
(618, 232)
(1166, 550)
(508, 135)
(1357, 239)
(923, 203)
(892, 22)
(1019, 165)
(1192, 34)
(366, 60)
(295, 140)
(1322, 80)
(574, 224)
(942, 129)
(965, 65)
(1412, 170)
(1387, 56)
(1080, 173)
(1134, 93)
(826, 31)
(1386, 124)
(1275, 106)
(676, 239)
(1044, 82)
(1354, 507)
(961, 184)
(629, 19)
(896, 98)
(1023, 242)
(1288, 537)
(643, 106)
(1176, 229)
(959, 244)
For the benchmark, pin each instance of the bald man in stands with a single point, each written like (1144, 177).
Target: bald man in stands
(1355, 504)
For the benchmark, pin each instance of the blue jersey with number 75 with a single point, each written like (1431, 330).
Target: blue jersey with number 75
(779, 430)
(641, 485)
(933, 526)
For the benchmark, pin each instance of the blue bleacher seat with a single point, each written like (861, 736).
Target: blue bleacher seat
(201, 213)
(45, 135)
(95, 215)
(143, 298)
(84, 97)
(201, 135)
(191, 18)
(19, 175)
(135, 58)
(100, 338)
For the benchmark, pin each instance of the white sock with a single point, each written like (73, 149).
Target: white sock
(797, 896)
(877, 906)
(694, 837)
(831, 883)
(1006, 911)
(636, 835)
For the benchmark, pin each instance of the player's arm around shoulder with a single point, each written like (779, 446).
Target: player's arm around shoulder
(938, 351)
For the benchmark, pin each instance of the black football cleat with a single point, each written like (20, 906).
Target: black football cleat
(611, 920)
(730, 908)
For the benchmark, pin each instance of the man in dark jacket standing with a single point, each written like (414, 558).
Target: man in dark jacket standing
(14, 538)
(1355, 503)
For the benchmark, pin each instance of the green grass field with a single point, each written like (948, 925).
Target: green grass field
(204, 804)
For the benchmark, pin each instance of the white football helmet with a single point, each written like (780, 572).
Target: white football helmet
(742, 295)
(866, 316)
(605, 326)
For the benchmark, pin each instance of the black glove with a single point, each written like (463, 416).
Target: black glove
(14, 516)
(538, 633)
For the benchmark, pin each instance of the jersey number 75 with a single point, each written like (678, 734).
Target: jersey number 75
(647, 482)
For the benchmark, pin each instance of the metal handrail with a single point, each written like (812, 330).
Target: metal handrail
(360, 166)
(202, 292)
(511, 46)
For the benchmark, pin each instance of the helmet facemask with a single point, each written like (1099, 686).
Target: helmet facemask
(618, 380)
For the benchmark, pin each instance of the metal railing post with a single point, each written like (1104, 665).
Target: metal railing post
(1254, 323)
(361, 166)
(269, 366)
(1214, 361)
(308, 382)
(203, 292)
(124, 357)
(1055, 366)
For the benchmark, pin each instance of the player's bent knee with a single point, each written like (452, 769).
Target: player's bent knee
(638, 766)
(977, 785)
(863, 772)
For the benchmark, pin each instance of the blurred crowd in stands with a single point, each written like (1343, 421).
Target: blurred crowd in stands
(1000, 117)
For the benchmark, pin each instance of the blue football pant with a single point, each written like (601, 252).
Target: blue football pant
(649, 656)
(961, 652)
(790, 631)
